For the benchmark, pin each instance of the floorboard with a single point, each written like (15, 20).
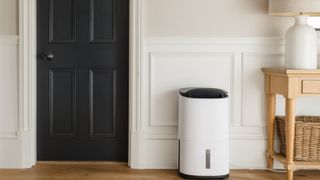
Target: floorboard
(119, 171)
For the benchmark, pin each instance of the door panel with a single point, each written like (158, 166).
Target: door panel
(103, 121)
(82, 76)
(103, 21)
(62, 21)
(62, 103)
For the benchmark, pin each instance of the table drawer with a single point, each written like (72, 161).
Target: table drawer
(310, 86)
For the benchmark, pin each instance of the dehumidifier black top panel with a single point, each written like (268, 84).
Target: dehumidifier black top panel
(205, 93)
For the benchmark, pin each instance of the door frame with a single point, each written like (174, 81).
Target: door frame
(28, 83)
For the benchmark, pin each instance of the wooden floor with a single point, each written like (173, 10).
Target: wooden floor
(96, 171)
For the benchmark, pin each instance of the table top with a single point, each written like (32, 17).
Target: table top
(291, 72)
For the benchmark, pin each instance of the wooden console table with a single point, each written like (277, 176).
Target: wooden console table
(291, 84)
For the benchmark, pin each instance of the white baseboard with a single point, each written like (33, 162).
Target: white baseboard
(27, 149)
(9, 153)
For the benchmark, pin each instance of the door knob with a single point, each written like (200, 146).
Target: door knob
(48, 56)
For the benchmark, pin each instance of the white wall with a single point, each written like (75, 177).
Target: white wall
(8, 17)
(212, 18)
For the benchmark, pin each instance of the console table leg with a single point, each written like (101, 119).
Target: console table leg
(271, 103)
(290, 174)
(290, 121)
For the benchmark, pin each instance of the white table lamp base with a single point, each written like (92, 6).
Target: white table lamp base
(301, 45)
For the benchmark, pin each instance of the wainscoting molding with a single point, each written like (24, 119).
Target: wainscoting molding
(9, 139)
(8, 135)
(233, 64)
(9, 87)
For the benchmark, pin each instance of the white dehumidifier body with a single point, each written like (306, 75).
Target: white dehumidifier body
(203, 133)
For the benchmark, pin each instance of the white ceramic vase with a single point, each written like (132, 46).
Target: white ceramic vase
(301, 45)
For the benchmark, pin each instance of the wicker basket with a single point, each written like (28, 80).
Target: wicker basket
(307, 137)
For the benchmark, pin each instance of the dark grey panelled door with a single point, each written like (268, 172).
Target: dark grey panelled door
(82, 79)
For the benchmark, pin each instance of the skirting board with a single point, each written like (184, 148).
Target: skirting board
(9, 153)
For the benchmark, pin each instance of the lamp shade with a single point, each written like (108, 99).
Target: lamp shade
(294, 7)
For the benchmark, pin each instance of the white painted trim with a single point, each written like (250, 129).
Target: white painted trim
(236, 133)
(8, 135)
(148, 79)
(271, 41)
(27, 83)
(135, 55)
(9, 39)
